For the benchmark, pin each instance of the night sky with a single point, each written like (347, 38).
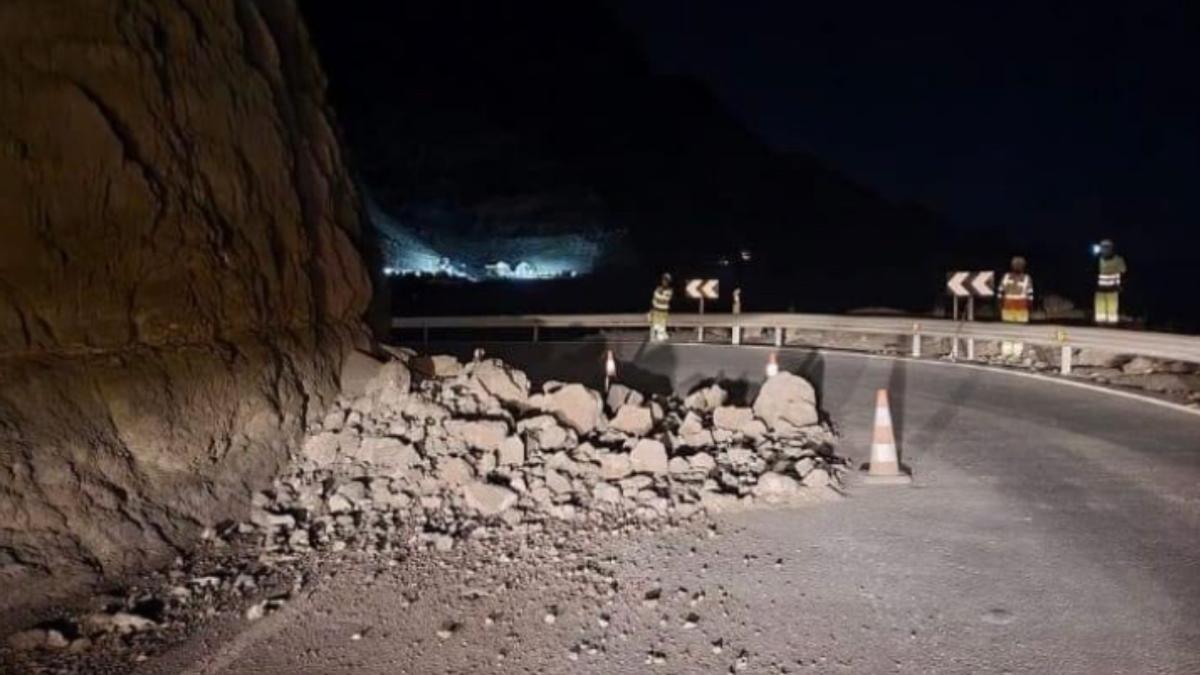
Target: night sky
(1053, 121)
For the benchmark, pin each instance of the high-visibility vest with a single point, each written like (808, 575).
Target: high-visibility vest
(1016, 286)
(662, 299)
(1111, 270)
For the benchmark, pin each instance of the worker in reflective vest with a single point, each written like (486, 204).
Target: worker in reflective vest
(1016, 299)
(660, 307)
(1108, 285)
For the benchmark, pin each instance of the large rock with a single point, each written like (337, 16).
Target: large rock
(437, 365)
(615, 466)
(649, 456)
(487, 499)
(511, 452)
(776, 487)
(391, 386)
(633, 420)
(707, 399)
(454, 471)
(544, 434)
(497, 379)
(787, 401)
(178, 275)
(1139, 365)
(576, 406)
(478, 434)
(392, 456)
(619, 395)
(358, 369)
(732, 418)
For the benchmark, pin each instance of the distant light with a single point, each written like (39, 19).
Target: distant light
(747, 256)
(389, 271)
(1095, 249)
(723, 261)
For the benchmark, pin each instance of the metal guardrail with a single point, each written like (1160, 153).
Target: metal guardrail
(1068, 338)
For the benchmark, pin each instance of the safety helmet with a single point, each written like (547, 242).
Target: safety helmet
(666, 278)
(1019, 263)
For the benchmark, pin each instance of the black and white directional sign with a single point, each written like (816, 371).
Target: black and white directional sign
(702, 289)
(967, 284)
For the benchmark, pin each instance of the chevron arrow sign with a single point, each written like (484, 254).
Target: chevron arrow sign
(967, 284)
(702, 289)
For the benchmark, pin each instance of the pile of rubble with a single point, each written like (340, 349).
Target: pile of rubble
(428, 450)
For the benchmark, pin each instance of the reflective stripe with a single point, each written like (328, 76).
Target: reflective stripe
(662, 299)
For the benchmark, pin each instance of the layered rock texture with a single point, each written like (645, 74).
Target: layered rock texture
(179, 278)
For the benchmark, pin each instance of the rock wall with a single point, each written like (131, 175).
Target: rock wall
(179, 277)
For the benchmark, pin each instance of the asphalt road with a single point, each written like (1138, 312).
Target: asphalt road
(1049, 528)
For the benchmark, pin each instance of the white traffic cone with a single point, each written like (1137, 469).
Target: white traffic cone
(884, 467)
(772, 365)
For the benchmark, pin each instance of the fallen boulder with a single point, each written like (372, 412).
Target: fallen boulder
(487, 499)
(575, 406)
(633, 420)
(787, 402)
(649, 456)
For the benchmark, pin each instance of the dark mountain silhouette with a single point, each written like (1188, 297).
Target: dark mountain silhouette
(543, 117)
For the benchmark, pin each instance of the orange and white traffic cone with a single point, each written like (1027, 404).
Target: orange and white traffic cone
(884, 467)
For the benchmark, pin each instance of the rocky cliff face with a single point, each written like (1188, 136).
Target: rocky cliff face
(178, 273)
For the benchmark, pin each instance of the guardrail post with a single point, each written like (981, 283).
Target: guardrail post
(1067, 355)
(700, 334)
(535, 332)
(916, 341)
(778, 336)
(970, 349)
(735, 335)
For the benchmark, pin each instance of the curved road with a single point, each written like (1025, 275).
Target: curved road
(1050, 528)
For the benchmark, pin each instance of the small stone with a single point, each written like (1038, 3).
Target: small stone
(122, 623)
(36, 638)
(803, 466)
(775, 487)
(338, 503)
(256, 611)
